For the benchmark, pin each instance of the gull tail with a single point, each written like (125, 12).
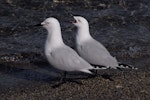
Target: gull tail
(120, 66)
(97, 67)
(126, 66)
(86, 71)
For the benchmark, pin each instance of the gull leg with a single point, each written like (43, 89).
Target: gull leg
(63, 77)
(62, 80)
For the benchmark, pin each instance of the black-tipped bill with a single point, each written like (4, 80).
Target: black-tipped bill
(38, 25)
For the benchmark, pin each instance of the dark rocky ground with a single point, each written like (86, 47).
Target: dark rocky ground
(123, 26)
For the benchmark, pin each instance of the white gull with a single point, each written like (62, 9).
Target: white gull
(90, 49)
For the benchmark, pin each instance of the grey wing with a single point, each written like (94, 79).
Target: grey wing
(94, 52)
(69, 60)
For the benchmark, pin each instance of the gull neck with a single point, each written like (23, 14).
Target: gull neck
(54, 38)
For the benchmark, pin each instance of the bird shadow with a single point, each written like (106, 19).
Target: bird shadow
(46, 73)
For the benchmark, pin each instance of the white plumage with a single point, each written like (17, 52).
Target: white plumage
(90, 49)
(60, 55)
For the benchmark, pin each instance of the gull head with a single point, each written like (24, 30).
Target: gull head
(50, 23)
(80, 21)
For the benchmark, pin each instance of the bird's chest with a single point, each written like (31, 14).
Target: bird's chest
(48, 52)
(79, 41)
(80, 49)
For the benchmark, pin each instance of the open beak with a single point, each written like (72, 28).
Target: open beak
(73, 20)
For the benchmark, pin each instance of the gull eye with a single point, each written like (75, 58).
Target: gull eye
(79, 20)
(46, 22)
